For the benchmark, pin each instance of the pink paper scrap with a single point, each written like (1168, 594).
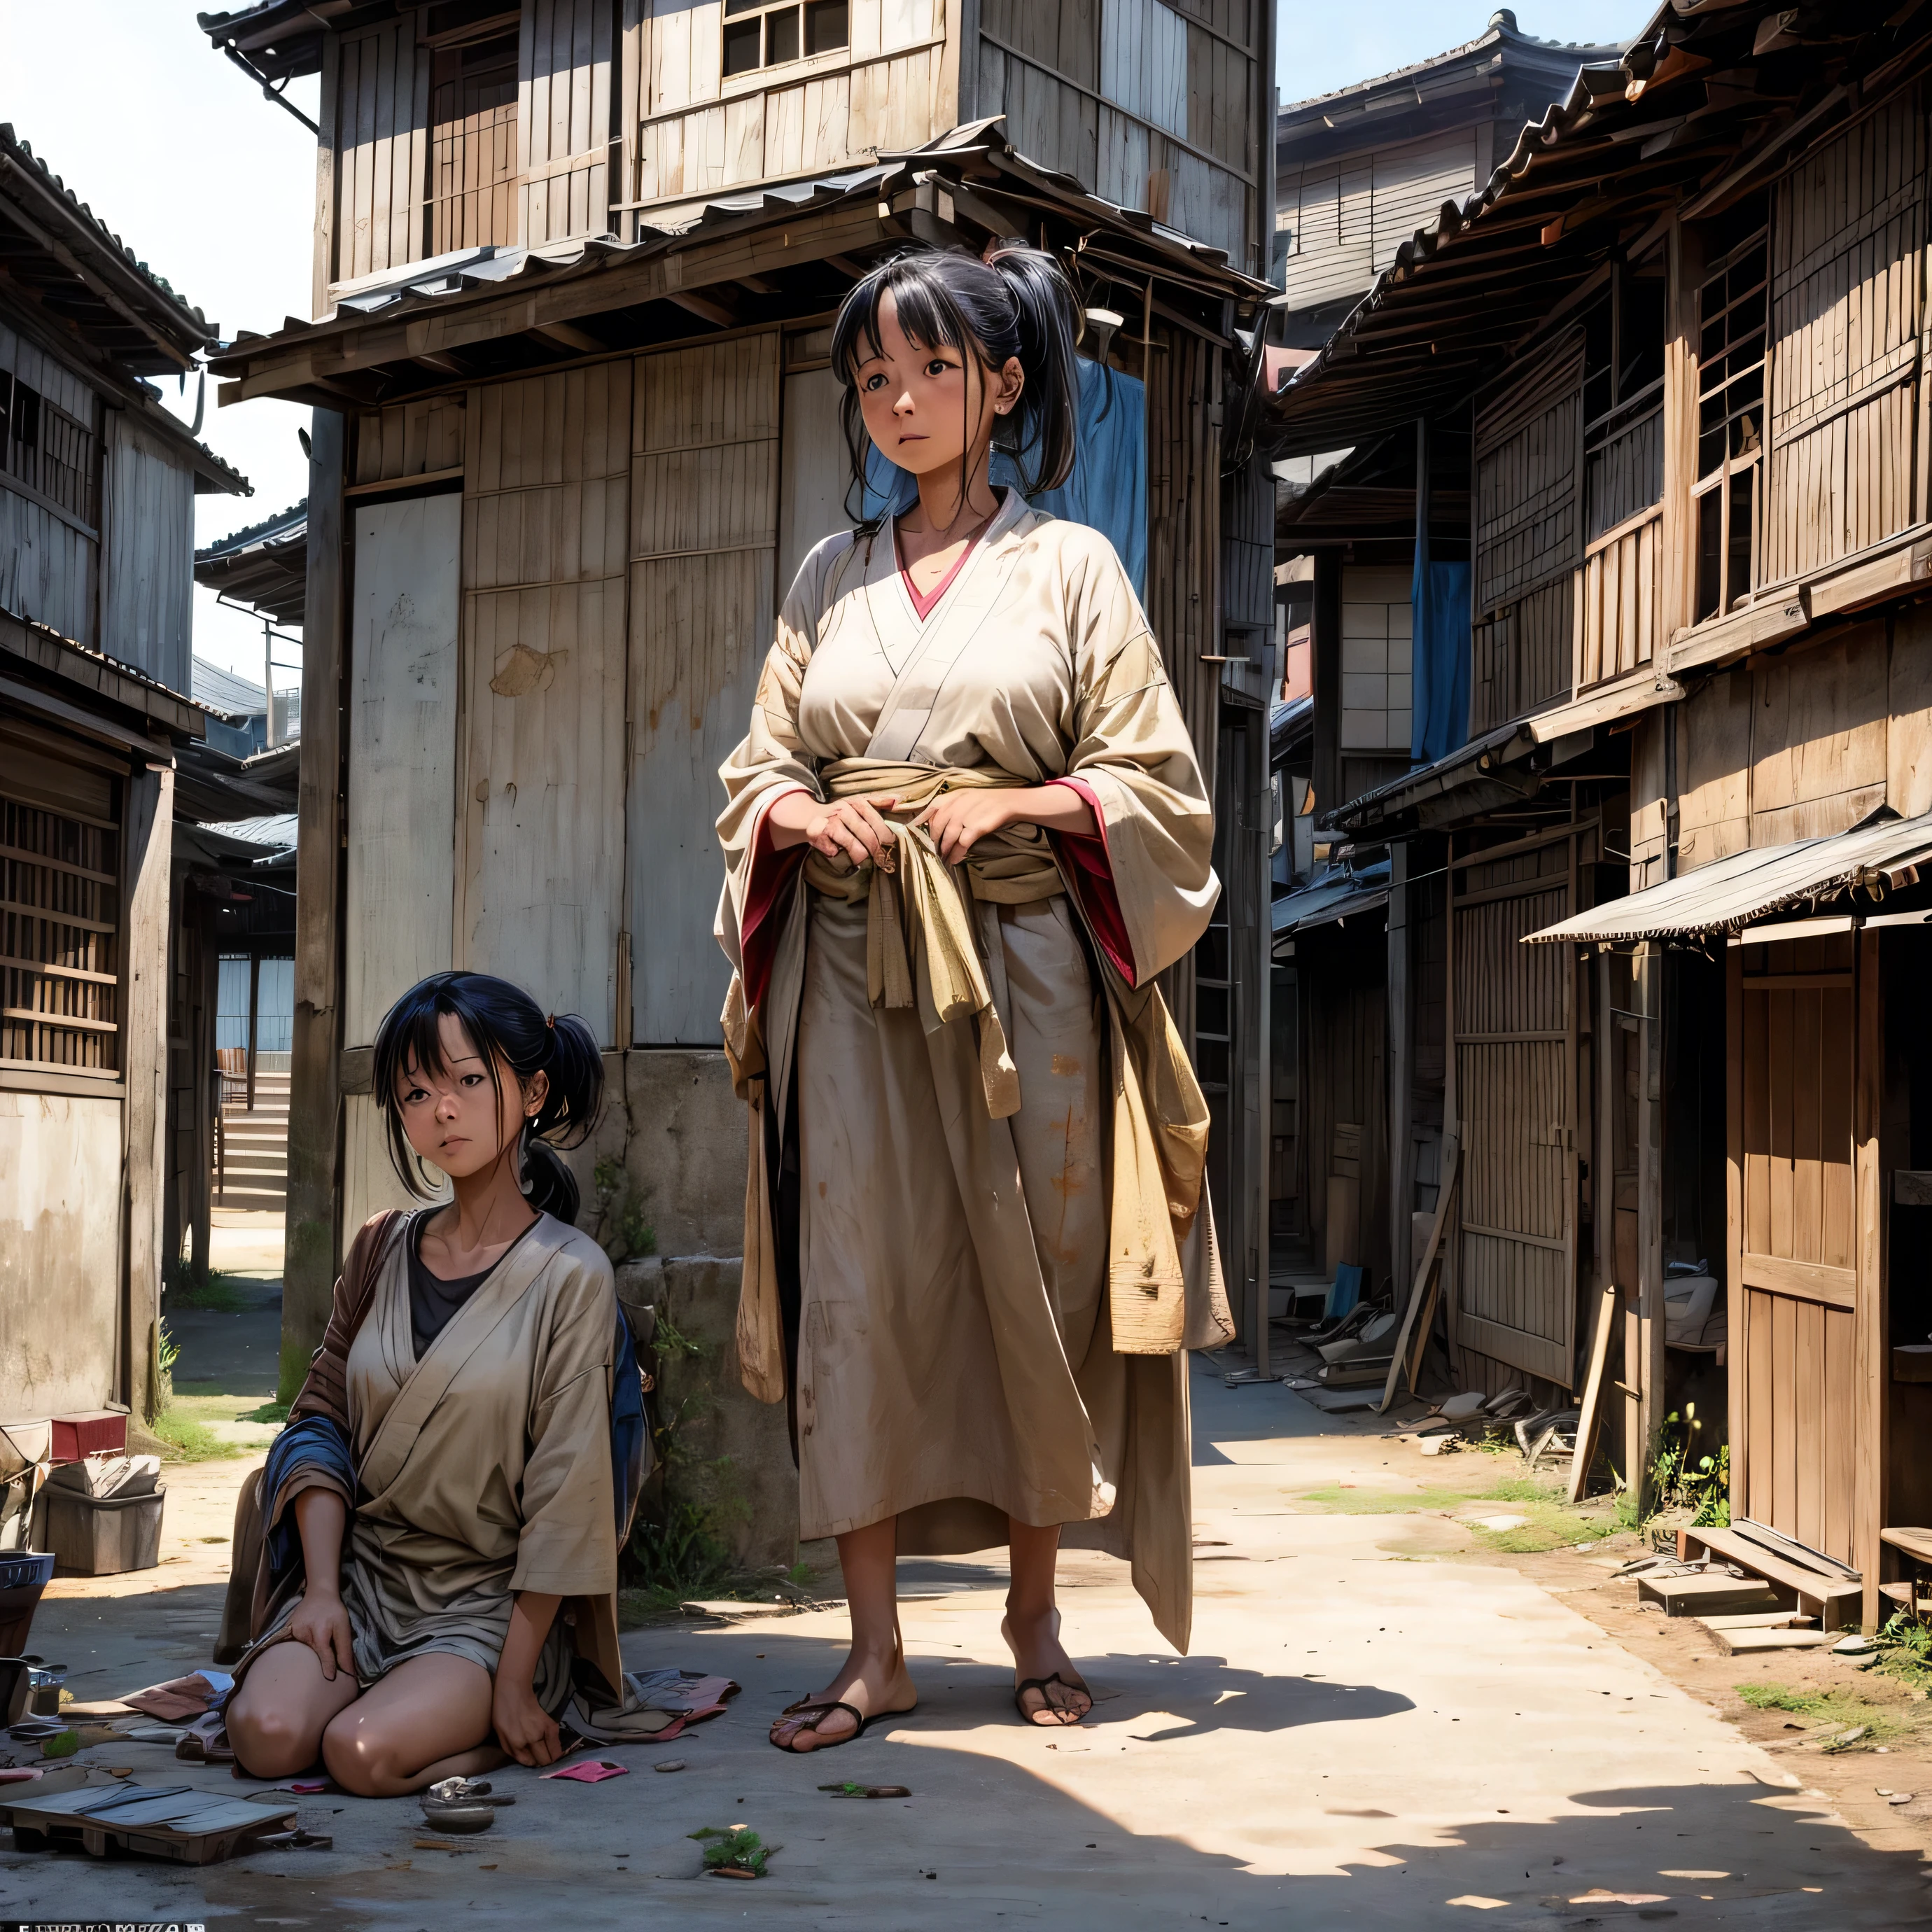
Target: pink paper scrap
(591, 1770)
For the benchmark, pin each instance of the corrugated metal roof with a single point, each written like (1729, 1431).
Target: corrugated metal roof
(1732, 893)
(1341, 895)
(222, 692)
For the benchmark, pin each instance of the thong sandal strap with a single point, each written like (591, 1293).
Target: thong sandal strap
(1039, 1684)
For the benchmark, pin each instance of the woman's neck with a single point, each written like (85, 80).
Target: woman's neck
(489, 1211)
(951, 508)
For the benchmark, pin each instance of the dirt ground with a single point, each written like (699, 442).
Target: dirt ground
(1386, 1720)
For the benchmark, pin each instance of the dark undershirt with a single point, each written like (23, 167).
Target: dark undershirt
(434, 1303)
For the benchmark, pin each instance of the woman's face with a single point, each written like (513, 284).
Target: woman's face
(925, 408)
(459, 1120)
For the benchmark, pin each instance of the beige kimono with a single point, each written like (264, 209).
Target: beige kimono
(483, 1469)
(1003, 1241)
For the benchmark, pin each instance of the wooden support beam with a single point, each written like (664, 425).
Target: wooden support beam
(1644, 1365)
(148, 831)
(315, 1107)
(703, 307)
(1871, 1356)
(566, 335)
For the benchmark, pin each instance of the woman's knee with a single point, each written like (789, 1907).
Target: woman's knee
(362, 1754)
(270, 1741)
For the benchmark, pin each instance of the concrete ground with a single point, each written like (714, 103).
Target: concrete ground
(1384, 1724)
(246, 1240)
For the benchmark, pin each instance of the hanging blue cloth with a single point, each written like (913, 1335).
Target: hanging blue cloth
(1439, 720)
(1108, 489)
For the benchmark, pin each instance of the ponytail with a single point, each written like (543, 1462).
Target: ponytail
(1014, 302)
(508, 1027)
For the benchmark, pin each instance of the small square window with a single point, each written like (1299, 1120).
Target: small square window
(742, 43)
(782, 36)
(827, 26)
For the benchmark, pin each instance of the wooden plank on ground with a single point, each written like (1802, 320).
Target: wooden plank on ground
(1589, 1424)
(1421, 1309)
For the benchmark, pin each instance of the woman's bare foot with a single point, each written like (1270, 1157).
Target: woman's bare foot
(874, 1684)
(1048, 1689)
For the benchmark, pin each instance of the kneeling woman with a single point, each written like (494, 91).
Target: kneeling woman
(440, 1537)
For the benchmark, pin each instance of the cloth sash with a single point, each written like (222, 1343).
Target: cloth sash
(920, 948)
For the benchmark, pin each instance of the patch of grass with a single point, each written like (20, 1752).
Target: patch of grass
(1551, 1526)
(1905, 1651)
(275, 1412)
(1825, 1709)
(190, 1440)
(214, 1291)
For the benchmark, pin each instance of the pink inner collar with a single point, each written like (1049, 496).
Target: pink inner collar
(923, 603)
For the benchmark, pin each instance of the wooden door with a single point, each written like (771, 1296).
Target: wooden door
(1794, 1235)
(1514, 1017)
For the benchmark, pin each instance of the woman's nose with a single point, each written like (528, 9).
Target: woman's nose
(903, 405)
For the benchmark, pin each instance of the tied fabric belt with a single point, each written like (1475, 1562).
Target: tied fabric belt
(917, 909)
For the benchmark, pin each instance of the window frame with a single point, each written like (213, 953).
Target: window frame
(736, 14)
(1738, 471)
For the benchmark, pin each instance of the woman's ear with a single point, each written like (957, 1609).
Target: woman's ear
(1007, 386)
(536, 1091)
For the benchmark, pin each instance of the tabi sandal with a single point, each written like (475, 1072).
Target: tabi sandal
(816, 1710)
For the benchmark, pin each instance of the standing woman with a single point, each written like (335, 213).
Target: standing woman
(440, 1516)
(965, 831)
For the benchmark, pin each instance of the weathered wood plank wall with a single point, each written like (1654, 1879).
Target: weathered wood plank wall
(380, 150)
(148, 583)
(704, 532)
(46, 549)
(546, 490)
(563, 117)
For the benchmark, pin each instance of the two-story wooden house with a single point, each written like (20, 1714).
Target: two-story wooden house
(575, 428)
(98, 484)
(1683, 330)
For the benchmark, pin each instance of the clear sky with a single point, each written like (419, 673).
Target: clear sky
(212, 186)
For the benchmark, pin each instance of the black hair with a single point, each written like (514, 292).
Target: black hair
(503, 1024)
(1017, 302)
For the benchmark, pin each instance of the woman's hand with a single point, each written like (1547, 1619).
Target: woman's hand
(958, 820)
(523, 1728)
(322, 1623)
(853, 828)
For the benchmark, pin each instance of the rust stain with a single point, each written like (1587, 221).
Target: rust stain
(821, 1190)
(1063, 1065)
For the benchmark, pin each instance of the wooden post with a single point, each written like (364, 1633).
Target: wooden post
(323, 272)
(1325, 648)
(203, 1002)
(1649, 1325)
(1871, 1371)
(1261, 1113)
(310, 1256)
(254, 1019)
(148, 819)
(1401, 1072)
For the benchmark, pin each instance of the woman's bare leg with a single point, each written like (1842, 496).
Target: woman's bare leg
(276, 1718)
(873, 1678)
(1032, 1626)
(428, 1718)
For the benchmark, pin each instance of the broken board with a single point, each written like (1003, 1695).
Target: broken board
(1834, 1600)
(1744, 1642)
(1708, 1595)
(175, 1822)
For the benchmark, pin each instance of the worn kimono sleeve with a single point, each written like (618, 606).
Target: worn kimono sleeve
(567, 1547)
(1134, 761)
(771, 761)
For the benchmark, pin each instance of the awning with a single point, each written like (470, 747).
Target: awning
(1337, 898)
(1736, 892)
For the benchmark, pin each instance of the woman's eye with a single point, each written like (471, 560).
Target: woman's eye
(873, 381)
(472, 1080)
(937, 366)
(415, 1096)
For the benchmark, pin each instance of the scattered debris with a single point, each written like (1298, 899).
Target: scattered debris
(849, 1789)
(736, 1851)
(297, 1841)
(670, 1764)
(182, 1697)
(591, 1771)
(1856, 1645)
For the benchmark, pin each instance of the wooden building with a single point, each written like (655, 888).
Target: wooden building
(1682, 328)
(98, 484)
(571, 442)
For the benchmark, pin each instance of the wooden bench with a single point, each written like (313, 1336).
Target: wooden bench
(1834, 1600)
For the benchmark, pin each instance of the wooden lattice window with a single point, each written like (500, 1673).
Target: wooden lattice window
(1730, 411)
(47, 449)
(1623, 400)
(60, 897)
(759, 34)
(472, 181)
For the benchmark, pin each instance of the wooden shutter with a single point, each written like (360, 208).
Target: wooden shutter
(1847, 274)
(382, 157)
(563, 118)
(1515, 1088)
